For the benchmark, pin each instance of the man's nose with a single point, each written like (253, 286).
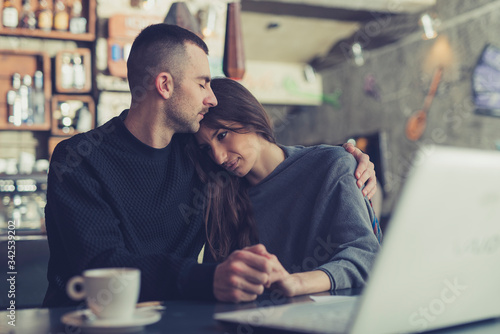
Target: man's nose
(210, 100)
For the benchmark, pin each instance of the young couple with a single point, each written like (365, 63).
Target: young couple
(302, 203)
(290, 217)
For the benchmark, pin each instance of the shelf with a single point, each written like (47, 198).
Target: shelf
(39, 177)
(74, 105)
(66, 79)
(64, 35)
(89, 12)
(37, 127)
(24, 62)
(122, 30)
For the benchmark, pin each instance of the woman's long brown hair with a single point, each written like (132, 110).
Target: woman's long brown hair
(228, 217)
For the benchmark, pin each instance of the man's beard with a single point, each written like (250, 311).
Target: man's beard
(178, 120)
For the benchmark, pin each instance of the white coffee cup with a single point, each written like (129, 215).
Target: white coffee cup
(111, 293)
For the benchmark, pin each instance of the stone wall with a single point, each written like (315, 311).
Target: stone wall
(403, 72)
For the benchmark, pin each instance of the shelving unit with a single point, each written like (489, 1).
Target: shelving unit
(89, 10)
(23, 192)
(27, 61)
(85, 57)
(36, 33)
(23, 62)
(74, 105)
(122, 30)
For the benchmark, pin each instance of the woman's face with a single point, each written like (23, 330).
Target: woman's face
(238, 153)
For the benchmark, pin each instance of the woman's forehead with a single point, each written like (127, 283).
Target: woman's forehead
(204, 134)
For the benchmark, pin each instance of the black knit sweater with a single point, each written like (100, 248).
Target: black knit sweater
(113, 201)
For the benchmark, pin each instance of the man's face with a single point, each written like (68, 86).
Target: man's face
(192, 94)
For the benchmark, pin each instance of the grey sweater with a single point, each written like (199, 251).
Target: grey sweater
(311, 215)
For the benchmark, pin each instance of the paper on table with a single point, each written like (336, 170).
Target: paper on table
(333, 298)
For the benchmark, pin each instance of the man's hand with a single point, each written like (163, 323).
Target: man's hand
(243, 275)
(365, 172)
(289, 284)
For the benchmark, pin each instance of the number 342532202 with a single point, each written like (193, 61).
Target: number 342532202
(11, 247)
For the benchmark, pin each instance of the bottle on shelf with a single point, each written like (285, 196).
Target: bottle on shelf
(26, 100)
(10, 15)
(28, 17)
(67, 74)
(23, 94)
(66, 123)
(77, 23)
(61, 16)
(38, 99)
(11, 101)
(78, 72)
(44, 16)
(84, 122)
(14, 101)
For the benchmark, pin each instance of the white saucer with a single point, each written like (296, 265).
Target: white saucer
(85, 320)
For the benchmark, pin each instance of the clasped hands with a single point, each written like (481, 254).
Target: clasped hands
(247, 272)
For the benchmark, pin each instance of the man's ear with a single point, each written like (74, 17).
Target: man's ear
(164, 84)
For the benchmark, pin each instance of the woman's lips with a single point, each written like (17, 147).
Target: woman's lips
(232, 165)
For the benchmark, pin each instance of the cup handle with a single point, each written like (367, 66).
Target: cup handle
(72, 292)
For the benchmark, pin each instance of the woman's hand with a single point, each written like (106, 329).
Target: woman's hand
(282, 280)
(276, 270)
(304, 283)
(290, 284)
(365, 172)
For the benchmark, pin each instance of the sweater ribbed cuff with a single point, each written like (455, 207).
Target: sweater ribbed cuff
(329, 274)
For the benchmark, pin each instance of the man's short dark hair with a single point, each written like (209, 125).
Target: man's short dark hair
(158, 48)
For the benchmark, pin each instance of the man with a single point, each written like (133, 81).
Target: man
(126, 195)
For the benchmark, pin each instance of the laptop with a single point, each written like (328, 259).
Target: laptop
(439, 264)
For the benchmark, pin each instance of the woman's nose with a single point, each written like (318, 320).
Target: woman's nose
(219, 155)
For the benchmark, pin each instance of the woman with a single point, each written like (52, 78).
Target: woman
(302, 203)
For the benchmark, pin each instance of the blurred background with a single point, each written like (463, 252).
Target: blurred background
(392, 76)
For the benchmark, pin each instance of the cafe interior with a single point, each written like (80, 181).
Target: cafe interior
(396, 78)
